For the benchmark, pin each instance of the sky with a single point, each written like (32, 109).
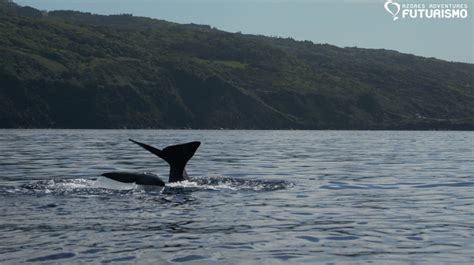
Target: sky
(344, 23)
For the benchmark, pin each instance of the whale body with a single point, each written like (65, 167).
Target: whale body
(138, 178)
(177, 157)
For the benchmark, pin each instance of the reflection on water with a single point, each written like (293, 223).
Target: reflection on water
(255, 197)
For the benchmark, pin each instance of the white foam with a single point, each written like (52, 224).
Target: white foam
(192, 184)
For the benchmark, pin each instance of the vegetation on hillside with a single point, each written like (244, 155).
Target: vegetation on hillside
(67, 69)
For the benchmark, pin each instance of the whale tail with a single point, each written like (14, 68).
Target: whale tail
(177, 157)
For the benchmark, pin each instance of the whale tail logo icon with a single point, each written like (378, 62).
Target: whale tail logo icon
(392, 8)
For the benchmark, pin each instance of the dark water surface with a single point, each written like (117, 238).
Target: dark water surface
(257, 197)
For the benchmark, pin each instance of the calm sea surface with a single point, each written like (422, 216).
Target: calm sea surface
(256, 197)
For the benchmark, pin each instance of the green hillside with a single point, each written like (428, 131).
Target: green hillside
(66, 69)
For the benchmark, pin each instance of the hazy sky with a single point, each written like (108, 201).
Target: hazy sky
(361, 23)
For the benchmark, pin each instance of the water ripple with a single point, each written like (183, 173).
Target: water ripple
(255, 197)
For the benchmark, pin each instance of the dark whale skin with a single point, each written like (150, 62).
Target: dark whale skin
(138, 178)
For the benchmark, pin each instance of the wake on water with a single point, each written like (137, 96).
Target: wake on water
(102, 185)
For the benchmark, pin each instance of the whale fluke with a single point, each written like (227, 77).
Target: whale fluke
(138, 178)
(177, 157)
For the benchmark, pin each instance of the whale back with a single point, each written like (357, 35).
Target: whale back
(138, 178)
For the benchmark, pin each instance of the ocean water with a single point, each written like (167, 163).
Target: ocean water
(255, 197)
